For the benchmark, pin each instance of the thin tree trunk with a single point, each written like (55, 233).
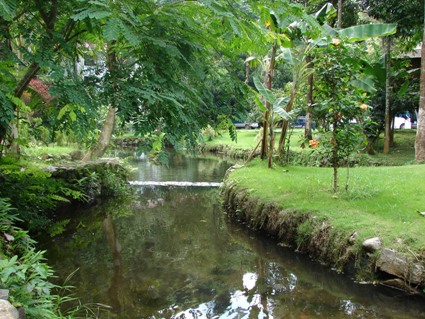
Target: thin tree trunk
(339, 24)
(335, 161)
(387, 134)
(263, 152)
(267, 113)
(285, 124)
(308, 118)
(420, 131)
(251, 156)
(269, 86)
(104, 137)
(108, 126)
(20, 88)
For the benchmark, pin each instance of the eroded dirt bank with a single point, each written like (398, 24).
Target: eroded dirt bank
(308, 233)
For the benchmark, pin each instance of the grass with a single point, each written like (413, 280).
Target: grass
(381, 201)
(39, 150)
(248, 139)
(402, 151)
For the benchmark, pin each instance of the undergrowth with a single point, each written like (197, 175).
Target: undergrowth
(25, 273)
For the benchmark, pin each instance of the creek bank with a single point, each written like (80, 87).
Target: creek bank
(98, 178)
(228, 151)
(367, 262)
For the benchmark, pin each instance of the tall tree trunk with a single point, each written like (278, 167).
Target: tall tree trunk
(335, 160)
(268, 84)
(308, 125)
(13, 148)
(108, 126)
(387, 134)
(339, 24)
(420, 131)
(104, 137)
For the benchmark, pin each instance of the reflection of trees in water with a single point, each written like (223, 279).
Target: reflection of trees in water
(181, 256)
(116, 288)
(181, 168)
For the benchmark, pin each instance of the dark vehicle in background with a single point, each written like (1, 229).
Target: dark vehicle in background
(299, 122)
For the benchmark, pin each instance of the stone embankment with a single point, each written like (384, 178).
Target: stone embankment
(368, 261)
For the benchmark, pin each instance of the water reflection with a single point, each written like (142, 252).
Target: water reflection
(171, 253)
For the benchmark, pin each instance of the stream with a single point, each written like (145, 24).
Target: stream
(169, 251)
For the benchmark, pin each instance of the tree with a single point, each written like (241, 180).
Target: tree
(162, 61)
(420, 132)
(338, 101)
(409, 30)
(42, 37)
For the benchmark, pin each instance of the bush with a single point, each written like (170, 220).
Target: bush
(34, 193)
(24, 272)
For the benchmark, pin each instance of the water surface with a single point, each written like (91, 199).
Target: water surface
(170, 252)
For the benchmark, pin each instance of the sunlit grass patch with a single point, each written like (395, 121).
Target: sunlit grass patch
(380, 201)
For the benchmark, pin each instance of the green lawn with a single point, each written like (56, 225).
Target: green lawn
(402, 151)
(248, 139)
(381, 201)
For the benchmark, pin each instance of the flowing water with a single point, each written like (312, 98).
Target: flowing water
(170, 252)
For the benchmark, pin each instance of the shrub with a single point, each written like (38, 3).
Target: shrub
(34, 193)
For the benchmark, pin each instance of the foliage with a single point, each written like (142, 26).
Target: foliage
(350, 10)
(34, 193)
(23, 269)
(339, 101)
(27, 276)
(405, 14)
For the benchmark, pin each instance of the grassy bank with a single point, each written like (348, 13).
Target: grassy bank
(381, 201)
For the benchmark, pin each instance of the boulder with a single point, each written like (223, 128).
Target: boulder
(4, 294)
(7, 311)
(397, 265)
(372, 244)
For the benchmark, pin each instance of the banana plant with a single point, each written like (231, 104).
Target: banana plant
(271, 104)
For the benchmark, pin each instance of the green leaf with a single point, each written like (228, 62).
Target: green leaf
(403, 89)
(73, 116)
(325, 13)
(7, 8)
(128, 34)
(99, 3)
(365, 83)
(260, 104)
(112, 29)
(91, 13)
(266, 93)
(367, 31)
(286, 56)
(279, 110)
(18, 102)
(62, 112)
